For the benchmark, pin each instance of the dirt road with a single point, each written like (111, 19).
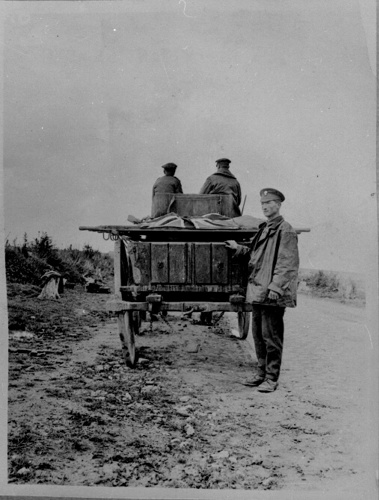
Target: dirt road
(324, 398)
(182, 418)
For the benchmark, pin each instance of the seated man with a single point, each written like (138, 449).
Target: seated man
(224, 182)
(168, 183)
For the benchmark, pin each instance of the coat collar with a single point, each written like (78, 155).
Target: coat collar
(225, 172)
(272, 224)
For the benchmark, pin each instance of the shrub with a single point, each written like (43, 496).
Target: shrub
(22, 269)
(328, 282)
(26, 263)
(338, 285)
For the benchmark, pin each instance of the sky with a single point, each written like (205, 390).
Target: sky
(99, 95)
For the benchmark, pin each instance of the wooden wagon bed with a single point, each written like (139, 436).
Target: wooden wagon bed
(161, 269)
(164, 269)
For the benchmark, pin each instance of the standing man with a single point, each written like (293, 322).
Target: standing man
(272, 286)
(224, 182)
(168, 183)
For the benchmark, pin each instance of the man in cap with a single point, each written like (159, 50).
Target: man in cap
(272, 286)
(168, 183)
(223, 182)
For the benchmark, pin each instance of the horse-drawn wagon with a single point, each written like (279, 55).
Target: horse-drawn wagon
(178, 262)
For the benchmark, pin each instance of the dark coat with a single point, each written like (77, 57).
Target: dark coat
(222, 182)
(167, 184)
(273, 263)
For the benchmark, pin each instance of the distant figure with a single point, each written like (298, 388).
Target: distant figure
(168, 183)
(223, 182)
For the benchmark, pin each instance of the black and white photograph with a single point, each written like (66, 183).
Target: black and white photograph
(189, 281)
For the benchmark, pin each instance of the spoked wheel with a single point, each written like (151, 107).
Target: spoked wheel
(243, 324)
(128, 324)
(138, 318)
(142, 316)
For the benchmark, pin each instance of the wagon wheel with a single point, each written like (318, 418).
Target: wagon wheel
(243, 324)
(142, 316)
(138, 317)
(128, 324)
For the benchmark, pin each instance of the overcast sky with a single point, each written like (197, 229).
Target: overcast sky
(98, 95)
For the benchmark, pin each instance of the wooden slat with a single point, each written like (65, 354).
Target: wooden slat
(238, 271)
(219, 264)
(143, 262)
(178, 262)
(193, 205)
(117, 268)
(126, 276)
(202, 263)
(159, 263)
(190, 264)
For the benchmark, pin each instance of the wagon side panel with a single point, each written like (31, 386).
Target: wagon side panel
(178, 263)
(159, 263)
(219, 264)
(202, 263)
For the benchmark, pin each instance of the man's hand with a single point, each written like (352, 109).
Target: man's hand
(231, 245)
(273, 295)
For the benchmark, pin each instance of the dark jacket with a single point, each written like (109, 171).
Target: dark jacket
(222, 182)
(167, 184)
(273, 263)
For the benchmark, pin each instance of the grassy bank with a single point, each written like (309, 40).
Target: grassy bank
(341, 286)
(27, 261)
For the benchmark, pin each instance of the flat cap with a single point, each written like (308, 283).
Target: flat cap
(171, 166)
(268, 194)
(223, 160)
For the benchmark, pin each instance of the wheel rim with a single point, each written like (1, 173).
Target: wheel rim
(243, 324)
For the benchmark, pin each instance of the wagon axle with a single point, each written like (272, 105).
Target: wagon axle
(129, 318)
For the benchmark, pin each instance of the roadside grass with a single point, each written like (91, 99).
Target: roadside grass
(26, 262)
(343, 287)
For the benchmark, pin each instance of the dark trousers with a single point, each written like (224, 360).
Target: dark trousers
(268, 332)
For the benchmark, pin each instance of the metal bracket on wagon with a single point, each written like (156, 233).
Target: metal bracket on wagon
(237, 299)
(154, 298)
(237, 302)
(154, 301)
